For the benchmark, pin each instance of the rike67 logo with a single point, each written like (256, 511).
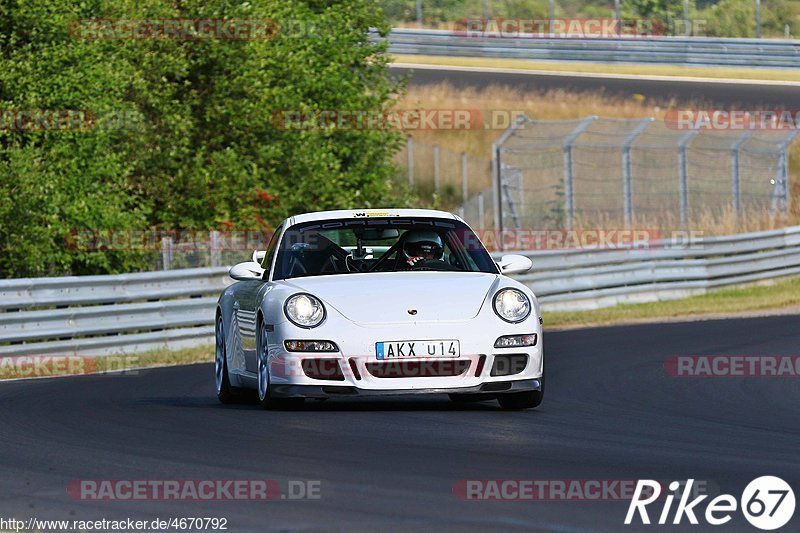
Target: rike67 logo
(767, 503)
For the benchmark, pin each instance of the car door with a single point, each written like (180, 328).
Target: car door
(249, 301)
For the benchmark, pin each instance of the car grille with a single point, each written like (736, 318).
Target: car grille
(418, 369)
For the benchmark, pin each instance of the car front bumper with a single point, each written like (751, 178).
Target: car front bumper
(338, 390)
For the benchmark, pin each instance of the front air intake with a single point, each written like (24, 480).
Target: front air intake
(327, 369)
(509, 365)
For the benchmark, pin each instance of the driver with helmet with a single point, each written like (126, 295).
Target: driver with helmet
(422, 247)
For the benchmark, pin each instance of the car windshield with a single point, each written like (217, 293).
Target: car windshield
(348, 246)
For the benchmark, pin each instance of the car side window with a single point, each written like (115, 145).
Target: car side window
(266, 263)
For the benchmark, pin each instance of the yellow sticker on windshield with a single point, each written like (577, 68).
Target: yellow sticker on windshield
(371, 214)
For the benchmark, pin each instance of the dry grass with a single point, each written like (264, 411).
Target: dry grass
(547, 105)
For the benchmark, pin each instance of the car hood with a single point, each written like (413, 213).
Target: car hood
(391, 297)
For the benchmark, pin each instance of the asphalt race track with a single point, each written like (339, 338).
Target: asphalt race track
(744, 95)
(610, 412)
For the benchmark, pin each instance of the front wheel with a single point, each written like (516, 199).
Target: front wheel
(221, 380)
(265, 398)
(522, 400)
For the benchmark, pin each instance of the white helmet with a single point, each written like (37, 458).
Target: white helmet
(423, 243)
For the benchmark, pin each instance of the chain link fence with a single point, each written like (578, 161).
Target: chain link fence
(456, 177)
(623, 172)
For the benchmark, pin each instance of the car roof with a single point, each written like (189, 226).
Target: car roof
(369, 213)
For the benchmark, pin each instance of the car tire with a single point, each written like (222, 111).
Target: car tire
(222, 383)
(522, 400)
(264, 392)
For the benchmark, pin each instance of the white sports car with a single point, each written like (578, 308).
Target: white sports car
(359, 303)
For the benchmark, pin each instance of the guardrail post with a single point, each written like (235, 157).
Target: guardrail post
(627, 179)
(569, 191)
(683, 170)
(464, 178)
(497, 174)
(436, 177)
(410, 160)
(736, 189)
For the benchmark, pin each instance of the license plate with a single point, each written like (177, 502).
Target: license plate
(403, 349)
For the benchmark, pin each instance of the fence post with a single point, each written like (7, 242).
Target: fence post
(782, 190)
(687, 30)
(627, 178)
(569, 191)
(464, 178)
(214, 248)
(481, 211)
(166, 253)
(436, 177)
(736, 188)
(410, 160)
(758, 19)
(497, 177)
(683, 171)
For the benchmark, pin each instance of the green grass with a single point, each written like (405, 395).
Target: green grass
(762, 297)
(674, 71)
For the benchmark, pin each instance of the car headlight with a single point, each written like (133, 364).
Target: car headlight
(304, 310)
(512, 305)
(310, 346)
(516, 341)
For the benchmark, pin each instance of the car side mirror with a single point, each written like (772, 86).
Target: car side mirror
(248, 270)
(514, 264)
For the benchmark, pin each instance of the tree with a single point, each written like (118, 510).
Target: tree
(197, 147)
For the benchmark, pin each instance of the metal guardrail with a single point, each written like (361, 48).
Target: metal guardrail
(701, 51)
(101, 315)
(582, 279)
